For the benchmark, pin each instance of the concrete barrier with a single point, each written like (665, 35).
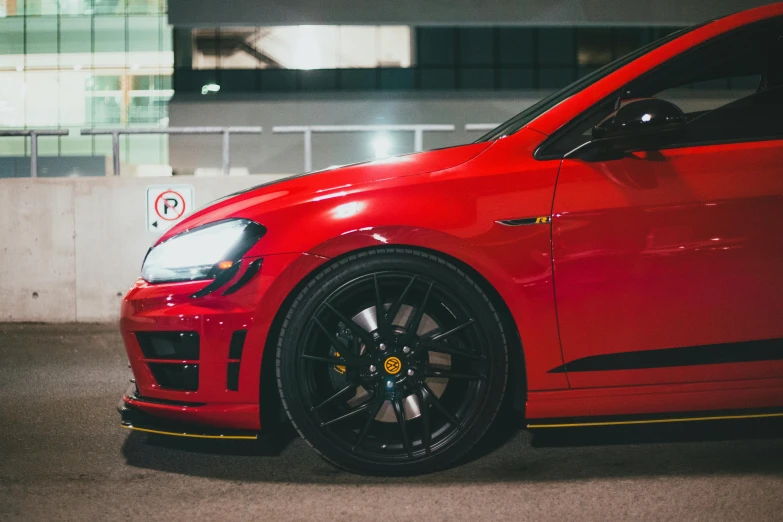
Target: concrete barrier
(70, 248)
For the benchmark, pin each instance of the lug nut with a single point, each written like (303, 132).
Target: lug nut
(382, 347)
(389, 384)
(410, 372)
(372, 368)
(406, 349)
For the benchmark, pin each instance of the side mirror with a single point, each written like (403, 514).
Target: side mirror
(641, 124)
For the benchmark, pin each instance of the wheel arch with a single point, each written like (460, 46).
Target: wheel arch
(271, 411)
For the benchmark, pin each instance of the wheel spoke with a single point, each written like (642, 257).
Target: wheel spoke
(449, 374)
(424, 408)
(444, 335)
(355, 328)
(444, 348)
(335, 341)
(377, 403)
(436, 402)
(329, 359)
(333, 397)
(355, 411)
(415, 320)
(399, 412)
(391, 313)
(384, 325)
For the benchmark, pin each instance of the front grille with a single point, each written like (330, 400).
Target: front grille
(169, 345)
(174, 376)
(235, 358)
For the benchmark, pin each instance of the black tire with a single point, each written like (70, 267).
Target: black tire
(376, 425)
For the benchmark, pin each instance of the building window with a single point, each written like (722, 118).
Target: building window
(85, 63)
(302, 47)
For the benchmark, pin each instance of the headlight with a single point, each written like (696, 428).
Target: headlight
(201, 253)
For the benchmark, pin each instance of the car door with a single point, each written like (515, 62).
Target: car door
(669, 263)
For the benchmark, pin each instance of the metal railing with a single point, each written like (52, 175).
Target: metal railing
(486, 127)
(225, 131)
(308, 130)
(33, 133)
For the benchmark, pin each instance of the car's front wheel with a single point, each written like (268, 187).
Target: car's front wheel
(406, 390)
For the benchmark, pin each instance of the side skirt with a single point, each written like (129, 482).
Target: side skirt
(712, 415)
(656, 403)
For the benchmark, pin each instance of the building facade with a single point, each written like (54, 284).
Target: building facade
(151, 63)
(76, 64)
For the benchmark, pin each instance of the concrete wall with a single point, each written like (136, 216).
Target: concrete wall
(464, 12)
(70, 248)
(284, 153)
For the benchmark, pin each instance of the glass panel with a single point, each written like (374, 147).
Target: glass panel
(476, 46)
(183, 54)
(75, 36)
(358, 46)
(516, 46)
(41, 35)
(144, 7)
(106, 83)
(436, 46)
(237, 49)
(72, 98)
(109, 34)
(626, 40)
(38, 7)
(48, 146)
(395, 47)
(11, 8)
(143, 33)
(42, 98)
(145, 149)
(107, 6)
(12, 94)
(205, 49)
(76, 145)
(556, 46)
(300, 47)
(12, 42)
(594, 46)
(75, 7)
(12, 146)
(105, 110)
(148, 109)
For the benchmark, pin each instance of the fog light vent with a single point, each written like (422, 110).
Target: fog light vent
(169, 345)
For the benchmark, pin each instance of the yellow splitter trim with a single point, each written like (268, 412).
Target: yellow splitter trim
(191, 435)
(657, 421)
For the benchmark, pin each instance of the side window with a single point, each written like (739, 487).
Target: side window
(709, 95)
(730, 88)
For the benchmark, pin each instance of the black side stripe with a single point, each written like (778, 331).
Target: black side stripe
(746, 351)
(653, 418)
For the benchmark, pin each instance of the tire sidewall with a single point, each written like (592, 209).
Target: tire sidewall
(356, 265)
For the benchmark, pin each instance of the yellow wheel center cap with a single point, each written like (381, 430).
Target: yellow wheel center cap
(392, 365)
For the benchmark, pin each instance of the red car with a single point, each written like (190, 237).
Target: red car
(611, 255)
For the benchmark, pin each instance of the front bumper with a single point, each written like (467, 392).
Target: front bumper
(213, 379)
(134, 417)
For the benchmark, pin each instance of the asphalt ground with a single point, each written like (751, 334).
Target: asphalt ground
(64, 456)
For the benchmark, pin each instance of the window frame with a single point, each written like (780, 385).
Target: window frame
(541, 153)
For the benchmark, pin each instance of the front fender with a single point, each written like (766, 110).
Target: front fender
(518, 268)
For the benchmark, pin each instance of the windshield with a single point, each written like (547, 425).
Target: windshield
(539, 108)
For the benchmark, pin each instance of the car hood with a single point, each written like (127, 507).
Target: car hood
(323, 184)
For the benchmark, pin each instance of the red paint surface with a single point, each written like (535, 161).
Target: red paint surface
(666, 249)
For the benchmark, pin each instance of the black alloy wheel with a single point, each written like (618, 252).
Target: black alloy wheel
(408, 390)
